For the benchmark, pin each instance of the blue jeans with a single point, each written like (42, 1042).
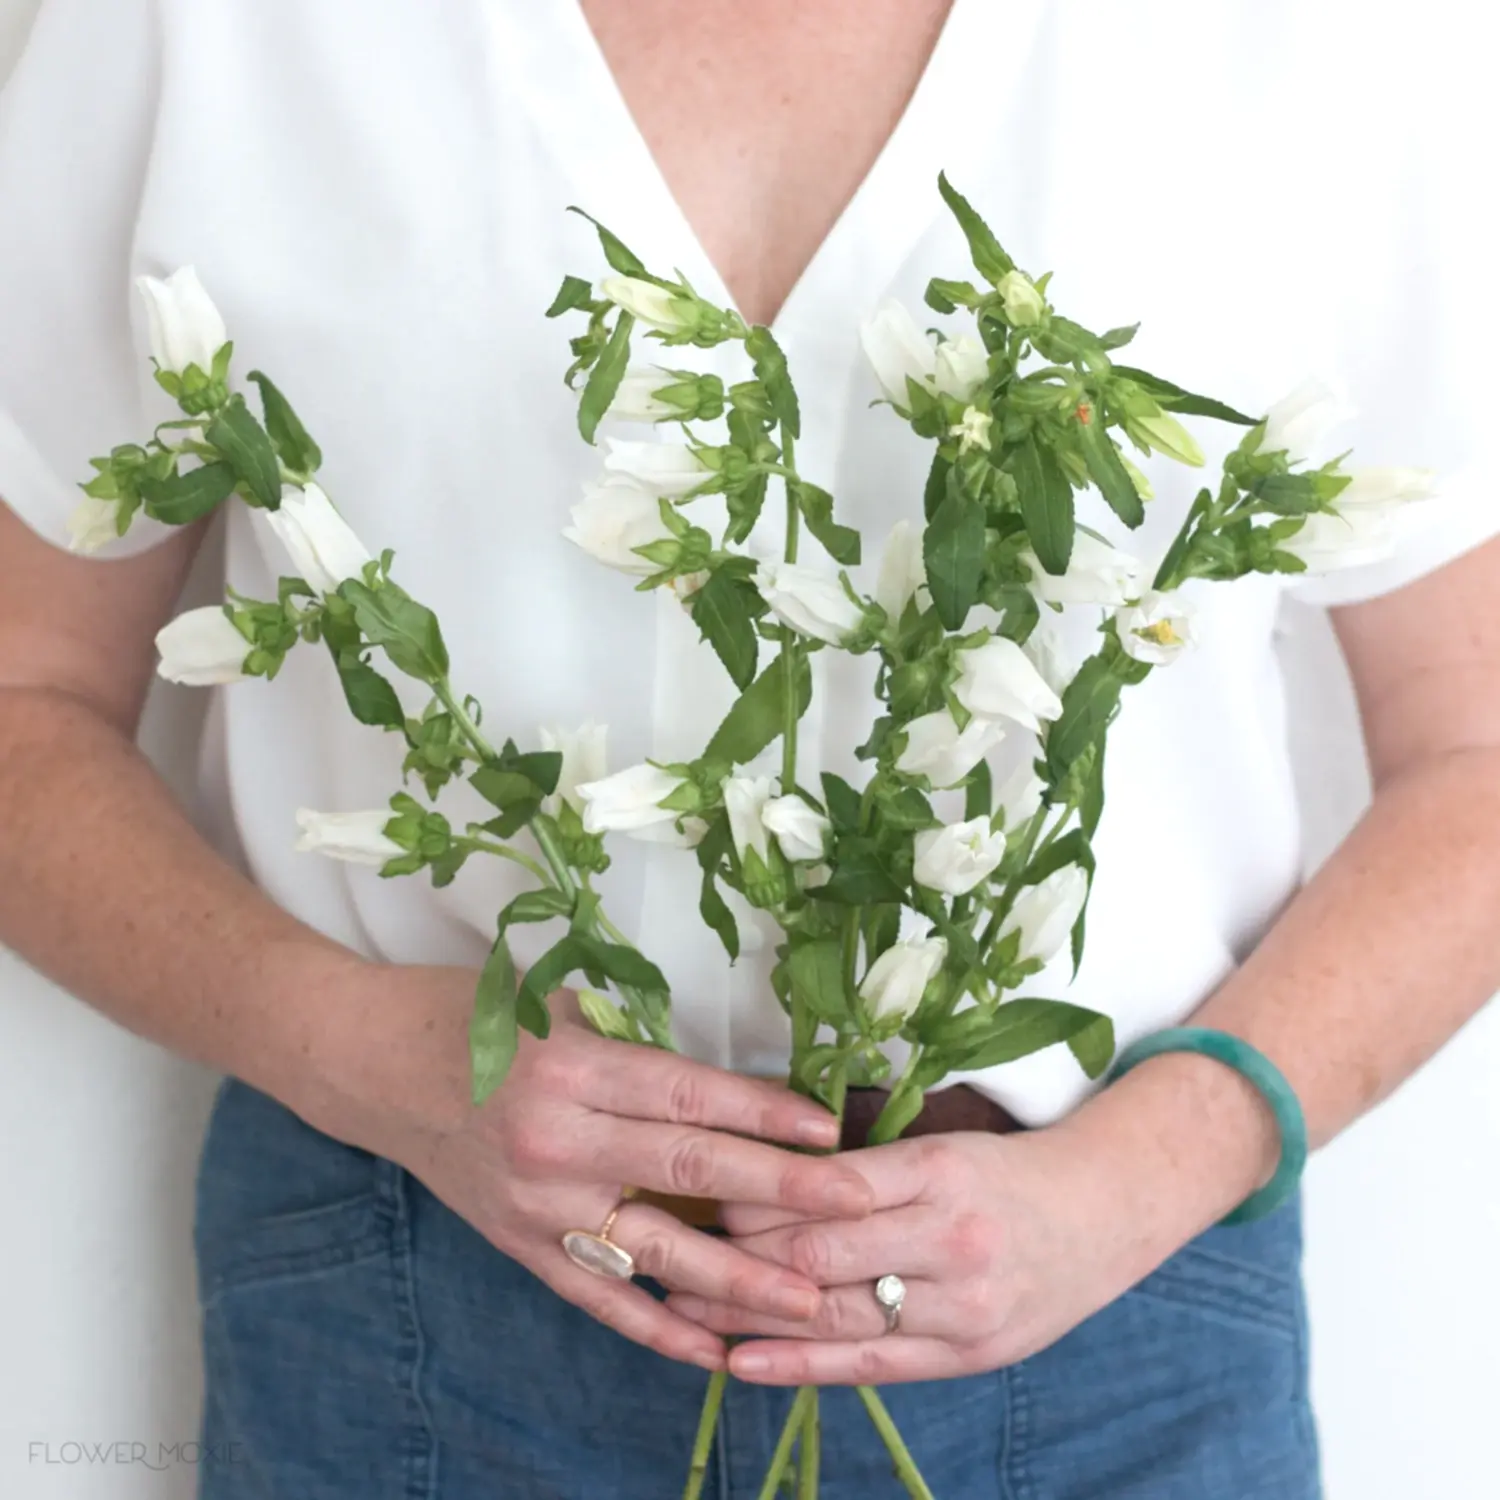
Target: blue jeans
(362, 1341)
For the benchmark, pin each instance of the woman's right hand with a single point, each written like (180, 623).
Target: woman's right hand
(578, 1118)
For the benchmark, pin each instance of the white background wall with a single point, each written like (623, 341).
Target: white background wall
(99, 1134)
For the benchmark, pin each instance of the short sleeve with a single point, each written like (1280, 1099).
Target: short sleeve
(76, 126)
(1406, 261)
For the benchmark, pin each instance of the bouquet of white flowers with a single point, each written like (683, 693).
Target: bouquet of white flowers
(912, 908)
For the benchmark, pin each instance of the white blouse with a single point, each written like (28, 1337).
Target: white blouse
(374, 194)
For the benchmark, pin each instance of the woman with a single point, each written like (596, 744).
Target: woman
(375, 195)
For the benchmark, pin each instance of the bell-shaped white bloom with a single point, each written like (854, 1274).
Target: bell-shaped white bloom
(202, 648)
(942, 752)
(1349, 539)
(186, 327)
(800, 829)
(666, 469)
(93, 524)
(1020, 795)
(585, 758)
(972, 430)
(811, 602)
(1298, 424)
(615, 518)
(1023, 304)
(357, 837)
(1386, 487)
(745, 799)
(998, 681)
(320, 542)
(897, 979)
(955, 859)
(903, 571)
(636, 401)
(1097, 574)
(960, 367)
(1044, 914)
(655, 306)
(896, 349)
(1045, 650)
(630, 802)
(1157, 628)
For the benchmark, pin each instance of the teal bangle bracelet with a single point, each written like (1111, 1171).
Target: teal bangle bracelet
(1250, 1063)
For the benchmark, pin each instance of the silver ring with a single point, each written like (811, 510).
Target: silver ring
(890, 1293)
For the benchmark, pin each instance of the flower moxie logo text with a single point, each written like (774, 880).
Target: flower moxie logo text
(123, 1453)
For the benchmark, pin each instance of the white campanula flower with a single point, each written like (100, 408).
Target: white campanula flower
(1044, 914)
(960, 367)
(358, 837)
(745, 799)
(584, 759)
(615, 518)
(186, 327)
(670, 470)
(955, 859)
(896, 349)
(636, 401)
(202, 648)
(1386, 487)
(811, 602)
(1097, 574)
(1298, 424)
(942, 752)
(1023, 304)
(656, 306)
(897, 979)
(1045, 650)
(800, 829)
(1020, 796)
(997, 680)
(630, 802)
(903, 570)
(1348, 539)
(1157, 628)
(323, 547)
(93, 524)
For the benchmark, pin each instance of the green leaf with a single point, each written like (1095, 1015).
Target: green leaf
(623, 964)
(604, 379)
(371, 699)
(574, 292)
(1288, 494)
(516, 784)
(1071, 849)
(182, 498)
(979, 795)
(860, 877)
(1177, 552)
(721, 612)
(757, 716)
(536, 906)
(1108, 471)
(1090, 703)
(406, 631)
(493, 1032)
(771, 371)
(843, 803)
(298, 451)
(1174, 398)
(544, 976)
(989, 259)
(817, 975)
(840, 542)
(1094, 1046)
(1091, 808)
(1117, 338)
(1015, 1030)
(1046, 505)
(937, 485)
(953, 550)
(244, 443)
(619, 255)
(713, 849)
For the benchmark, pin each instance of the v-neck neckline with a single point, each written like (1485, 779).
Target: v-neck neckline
(587, 122)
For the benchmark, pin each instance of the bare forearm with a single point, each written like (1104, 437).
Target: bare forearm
(106, 886)
(1369, 971)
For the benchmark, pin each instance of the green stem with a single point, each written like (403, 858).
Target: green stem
(789, 646)
(906, 1468)
(541, 831)
(809, 1451)
(782, 1456)
(504, 851)
(443, 690)
(880, 1132)
(707, 1423)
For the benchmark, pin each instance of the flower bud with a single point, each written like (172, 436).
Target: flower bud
(1386, 487)
(903, 570)
(1024, 305)
(800, 829)
(1044, 914)
(955, 859)
(323, 547)
(745, 799)
(1163, 433)
(630, 802)
(960, 367)
(358, 837)
(186, 327)
(202, 648)
(657, 307)
(669, 470)
(612, 520)
(897, 980)
(1298, 423)
(93, 524)
(997, 680)
(1348, 539)
(942, 752)
(583, 760)
(809, 601)
(1157, 628)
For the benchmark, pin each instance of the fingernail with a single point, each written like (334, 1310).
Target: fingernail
(824, 1132)
(748, 1362)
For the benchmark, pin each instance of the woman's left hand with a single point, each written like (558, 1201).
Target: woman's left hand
(1004, 1243)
